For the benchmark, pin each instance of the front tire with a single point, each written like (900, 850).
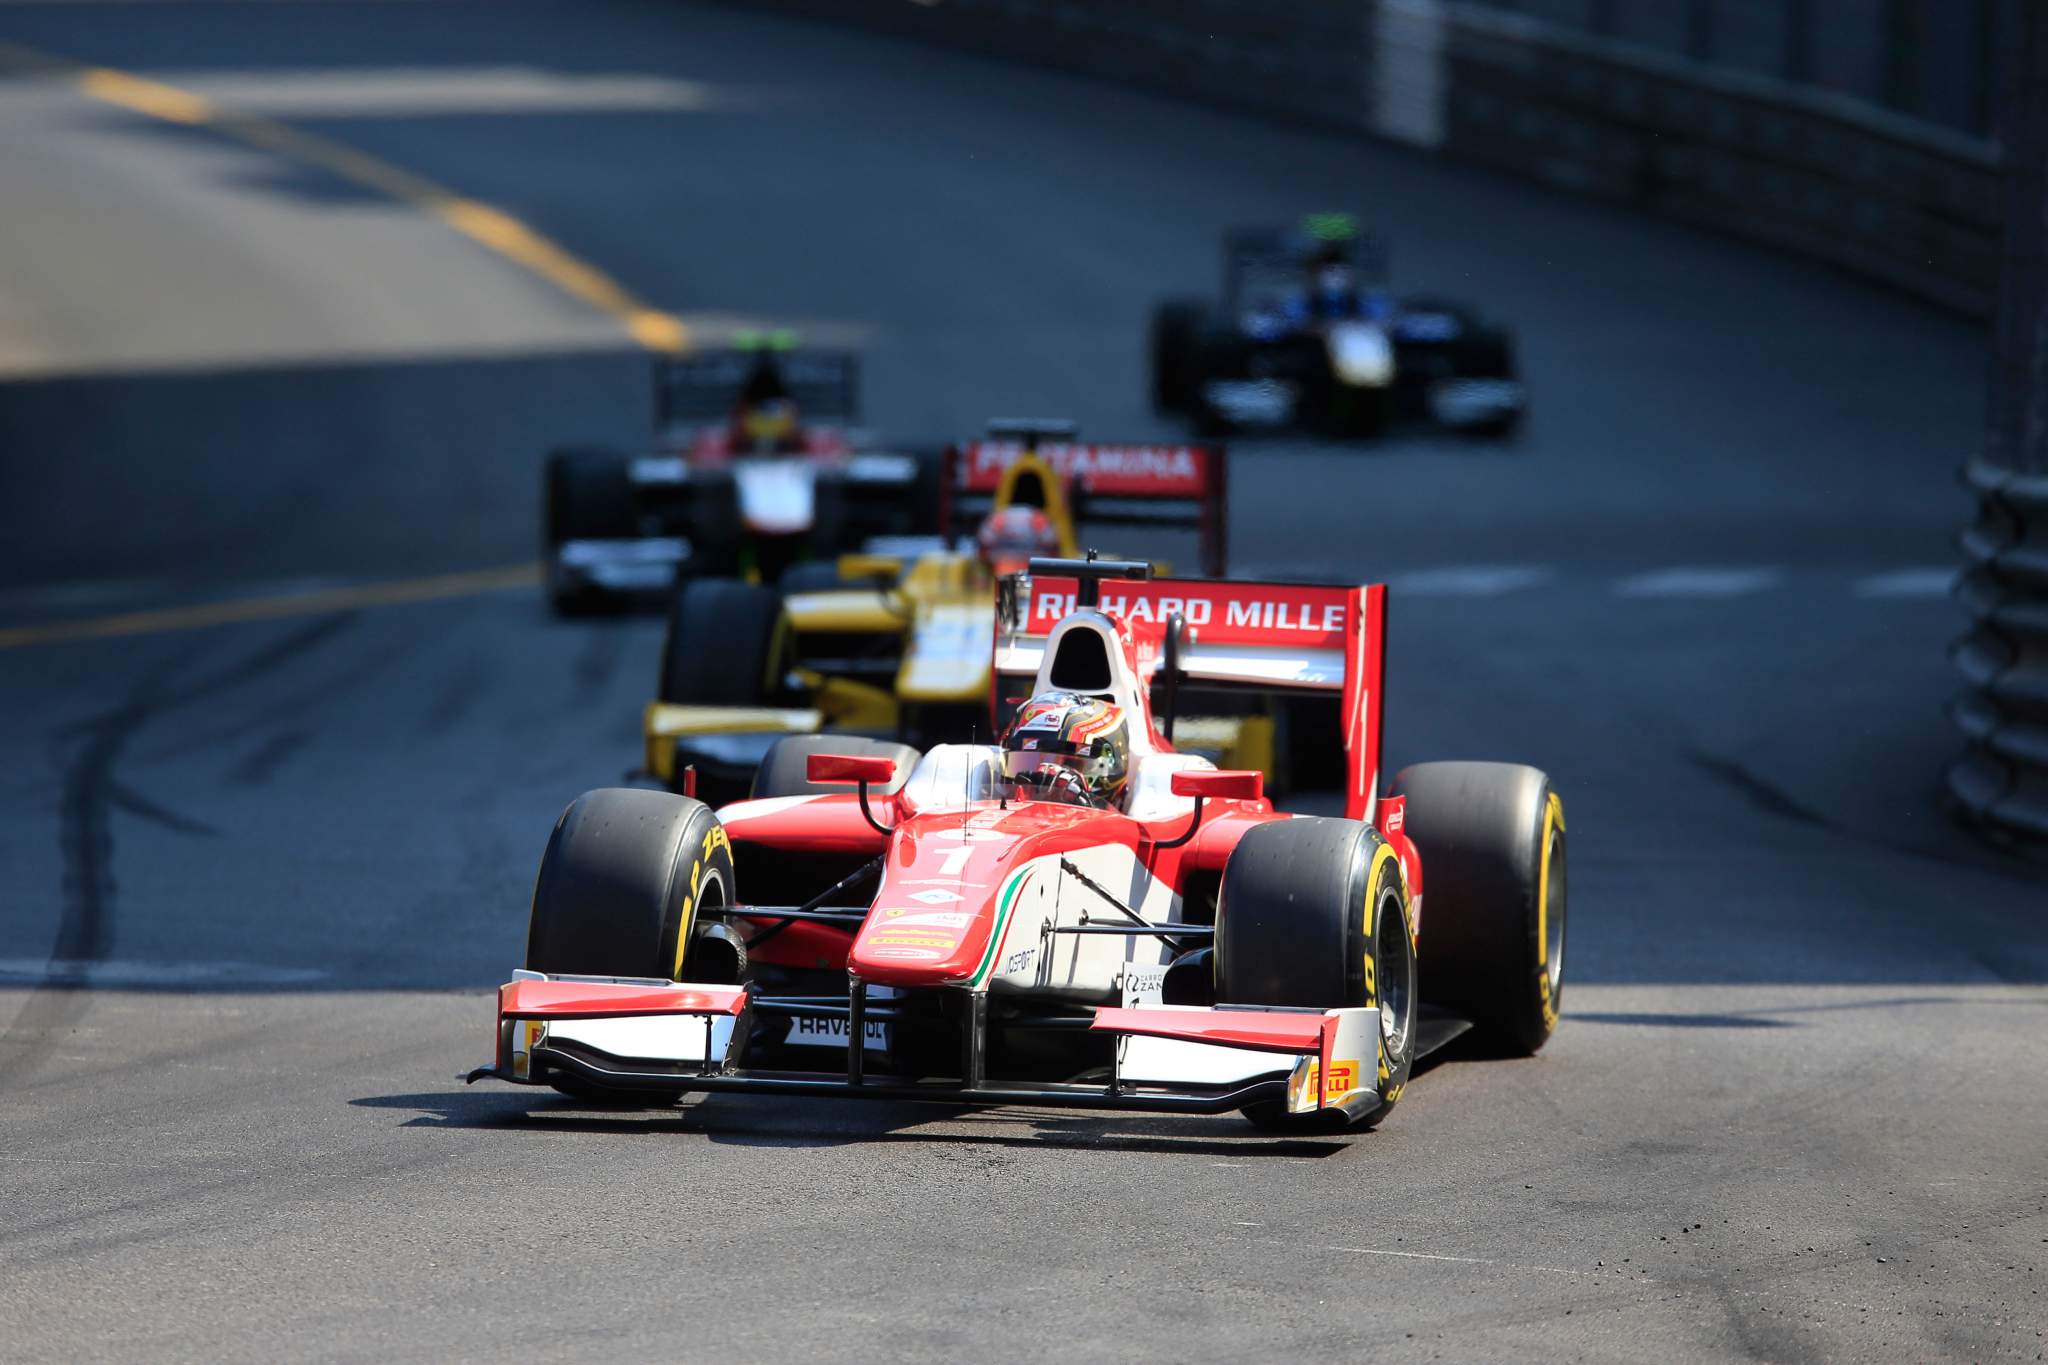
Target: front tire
(624, 875)
(586, 494)
(1492, 841)
(1314, 912)
(622, 881)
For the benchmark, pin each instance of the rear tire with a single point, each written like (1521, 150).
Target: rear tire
(782, 771)
(1314, 912)
(586, 494)
(723, 646)
(1491, 836)
(1176, 332)
(927, 492)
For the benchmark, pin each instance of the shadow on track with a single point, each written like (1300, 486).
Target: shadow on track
(775, 1122)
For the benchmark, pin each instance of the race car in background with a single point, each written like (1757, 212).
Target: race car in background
(1307, 334)
(883, 649)
(756, 468)
(1079, 916)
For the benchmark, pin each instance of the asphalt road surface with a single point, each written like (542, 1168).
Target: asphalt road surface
(259, 878)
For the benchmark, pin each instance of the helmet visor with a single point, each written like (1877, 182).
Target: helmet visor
(1049, 776)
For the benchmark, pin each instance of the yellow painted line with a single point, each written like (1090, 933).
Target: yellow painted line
(235, 611)
(146, 97)
(485, 224)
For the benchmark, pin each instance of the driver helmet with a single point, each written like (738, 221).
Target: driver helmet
(1065, 747)
(767, 427)
(1012, 536)
(1337, 287)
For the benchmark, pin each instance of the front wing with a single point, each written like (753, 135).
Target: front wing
(663, 1038)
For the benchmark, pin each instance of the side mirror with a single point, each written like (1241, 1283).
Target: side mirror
(1220, 784)
(1212, 784)
(849, 768)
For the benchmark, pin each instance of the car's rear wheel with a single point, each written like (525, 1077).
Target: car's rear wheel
(928, 492)
(1492, 841)
(1176, 332)
(1314, 912)
(724, 645)
(783, 770)
(622, 885)
(586, 494)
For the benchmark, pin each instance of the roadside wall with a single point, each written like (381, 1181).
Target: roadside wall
(1904, 200)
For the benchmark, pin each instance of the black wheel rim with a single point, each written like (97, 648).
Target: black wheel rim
(1394, 954)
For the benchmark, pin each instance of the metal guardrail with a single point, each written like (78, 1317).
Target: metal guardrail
(2002, 779)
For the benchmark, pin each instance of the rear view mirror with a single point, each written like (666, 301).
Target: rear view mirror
(849, 768)
(1220, 784)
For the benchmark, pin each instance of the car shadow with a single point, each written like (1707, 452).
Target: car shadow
(776, 1121)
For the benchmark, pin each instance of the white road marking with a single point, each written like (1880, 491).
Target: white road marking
(1922, 582)
(1469, 580)
(1699, 581)
(34, 971)
(1426, 1256)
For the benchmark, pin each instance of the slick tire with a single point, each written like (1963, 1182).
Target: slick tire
(1490, 355)
(782, 771)
(1176, 330)
(586, 494)
(927, 493)
(1314, 912)
(620, 886)
(1492, 841)
(724, 644)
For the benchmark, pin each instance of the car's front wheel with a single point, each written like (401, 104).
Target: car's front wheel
(1314, 912)
(622, 889)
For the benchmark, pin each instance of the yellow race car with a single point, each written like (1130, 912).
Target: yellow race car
(896, 645)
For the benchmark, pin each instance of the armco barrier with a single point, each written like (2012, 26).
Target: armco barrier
(2003, 778)
(1909, 203)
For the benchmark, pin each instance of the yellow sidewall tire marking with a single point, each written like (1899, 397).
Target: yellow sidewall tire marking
(714, 839)
(1553, 824)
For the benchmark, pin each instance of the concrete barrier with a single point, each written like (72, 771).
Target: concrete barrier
(1908, 203)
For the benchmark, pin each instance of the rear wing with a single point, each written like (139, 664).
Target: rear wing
(704, 386)
(1283, 638)
(1161, 484)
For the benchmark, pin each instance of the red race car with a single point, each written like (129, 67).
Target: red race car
(756, 467)
(1075, 916)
